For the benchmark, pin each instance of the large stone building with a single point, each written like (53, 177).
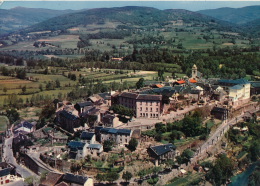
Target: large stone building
(238, 90)
(144, 105)
(67, 120)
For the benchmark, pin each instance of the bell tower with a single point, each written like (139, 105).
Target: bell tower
(194, 73)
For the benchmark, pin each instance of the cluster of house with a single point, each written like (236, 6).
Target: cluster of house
(155, 100)
(7, 174)
(91, 142)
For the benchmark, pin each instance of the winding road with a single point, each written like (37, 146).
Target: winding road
(9, 158)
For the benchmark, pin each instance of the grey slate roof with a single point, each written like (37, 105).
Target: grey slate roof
(76, 145)
(162, 149)
(236, 87)
(235, 81)
(86, 135)
(5, 172)
(129, 95)
(149, 97)
(77, 179)
(218, 109)
(68, 115)
(84, 104)
(94, 146)
(115, 131)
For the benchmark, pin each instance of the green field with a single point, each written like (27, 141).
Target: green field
(3, 123)
(12, 85)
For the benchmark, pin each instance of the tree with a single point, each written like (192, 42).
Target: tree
(140, 83)
(108, 144)
(48, 111)
(255, 150)
(142, 173)
(127, 176)
(12, 115)
(221, 171)
(73, 77)
(24, 89)
(57, 82)
(112, 176)
(40, 87)
(133, 143)
(5, 90)
(187, 155)
(100, 177)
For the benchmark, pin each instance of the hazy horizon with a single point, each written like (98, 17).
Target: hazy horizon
(78, 5)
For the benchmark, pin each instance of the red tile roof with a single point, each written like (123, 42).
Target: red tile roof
(181, 81)
(193, 81)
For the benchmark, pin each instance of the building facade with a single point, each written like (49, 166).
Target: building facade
(144, 105)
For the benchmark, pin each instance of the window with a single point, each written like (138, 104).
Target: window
(140, 108)
(157, 103)
(157, 109)
(151, 109)
(146, 109)
(151, 115)
(151, 103)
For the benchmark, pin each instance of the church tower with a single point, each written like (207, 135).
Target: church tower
(194, 73)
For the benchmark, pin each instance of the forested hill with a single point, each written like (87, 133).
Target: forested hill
(130, 16)
(234, 15)
(253, 28)
(20, 17)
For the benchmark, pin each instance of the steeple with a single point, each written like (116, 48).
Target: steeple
(194, 72)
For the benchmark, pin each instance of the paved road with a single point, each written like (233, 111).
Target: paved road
(9, 158)
(217, 135)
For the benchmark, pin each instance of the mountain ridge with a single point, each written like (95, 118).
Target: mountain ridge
(234, 15)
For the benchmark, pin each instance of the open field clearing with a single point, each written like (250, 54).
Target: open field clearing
(31, 113)
(12, 85)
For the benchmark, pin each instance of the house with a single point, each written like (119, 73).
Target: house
(106, 98)
(52, 179)
(92, 116)
(220, 113)
(255, 88)
(92, 149)
(110, 120)
(62, 184)
(161, 153)
(119, 136)
(77, 180)
(76, 149)
(80, 106)
(20, 139)
(7, 173)
(88, 137)
(25, 126)
(67, 120)
(218, 95)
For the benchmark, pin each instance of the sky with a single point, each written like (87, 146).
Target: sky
(77, 5)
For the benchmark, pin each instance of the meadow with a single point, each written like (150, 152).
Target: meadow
(11, 85)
